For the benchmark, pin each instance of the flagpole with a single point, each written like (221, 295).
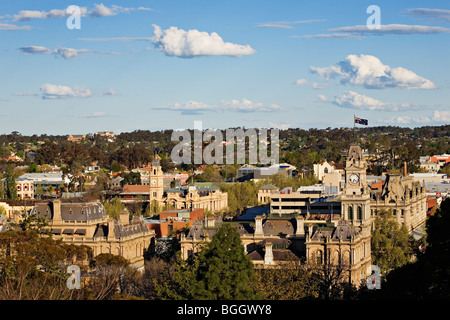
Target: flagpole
(354, 127)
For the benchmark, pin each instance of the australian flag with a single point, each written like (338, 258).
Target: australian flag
(361, 121)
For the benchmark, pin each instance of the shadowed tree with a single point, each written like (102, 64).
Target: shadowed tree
(224, 272)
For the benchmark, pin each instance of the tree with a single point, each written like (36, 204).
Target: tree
(224, 272)
(429, 276)
(289, 281)
(332, 274)
(10, 181)
(32, 267)
(390, 243)
(114, 207)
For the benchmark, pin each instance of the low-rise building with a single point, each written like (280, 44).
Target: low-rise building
(169, 221)
(86, 223)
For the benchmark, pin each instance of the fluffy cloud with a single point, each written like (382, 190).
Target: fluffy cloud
(194, 43)
(51, 91)
(368, 71)
(235, 105)
(66, 53)
(353, 100)
(441, 116)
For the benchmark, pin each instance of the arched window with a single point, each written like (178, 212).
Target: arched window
(326, 170)
(350, 213)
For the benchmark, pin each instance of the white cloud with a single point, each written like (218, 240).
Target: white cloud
(66, 53)
(332, 36)
(361, 31)
(94, 115)
(100, 10)
(368, 71)
(247, 106)
(353, 100)
(194, 43)
(314, 85)
(392, 29)
(7, 26)
(51, 91)
(35, 50)
(406, 120)
(235, 105)
(25, 15)
(441, 116)
(322, 97)
(300, 82)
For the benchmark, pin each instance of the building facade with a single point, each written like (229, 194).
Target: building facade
(86, 223)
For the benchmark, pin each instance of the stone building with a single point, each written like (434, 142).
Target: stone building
(186, 197)
(86, 223)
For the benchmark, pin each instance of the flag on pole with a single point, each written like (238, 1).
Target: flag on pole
(361, 121)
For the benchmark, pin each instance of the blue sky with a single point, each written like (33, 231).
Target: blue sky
(155, 65)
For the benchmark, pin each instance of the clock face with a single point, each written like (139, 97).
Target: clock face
(154, 181)
(354, 178)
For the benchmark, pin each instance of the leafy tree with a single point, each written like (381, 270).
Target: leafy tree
(289, 281)
(32, 267)
(114, 207)
(429, 276)
(10, 181)
(131, 178)
(390, 243)
(224, 272)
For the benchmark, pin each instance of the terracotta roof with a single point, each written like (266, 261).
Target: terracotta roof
(136, 188)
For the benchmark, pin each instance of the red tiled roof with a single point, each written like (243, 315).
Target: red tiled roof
(135, 188)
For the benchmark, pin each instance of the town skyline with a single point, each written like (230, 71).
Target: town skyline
(156, 65)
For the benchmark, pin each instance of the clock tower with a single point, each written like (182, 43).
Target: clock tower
(156, 181)
(355, 200)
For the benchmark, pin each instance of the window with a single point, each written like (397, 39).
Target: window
(350, 213)
(319, 257)
(359, 213)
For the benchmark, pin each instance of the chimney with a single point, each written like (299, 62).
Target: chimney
(258, 226)
(56, 211)
(210, 221)
(405, 169)
(300, 232)
(268, 256)
(125, 216)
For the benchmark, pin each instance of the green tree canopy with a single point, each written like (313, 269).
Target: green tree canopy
(224, 272)
(390, 242)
